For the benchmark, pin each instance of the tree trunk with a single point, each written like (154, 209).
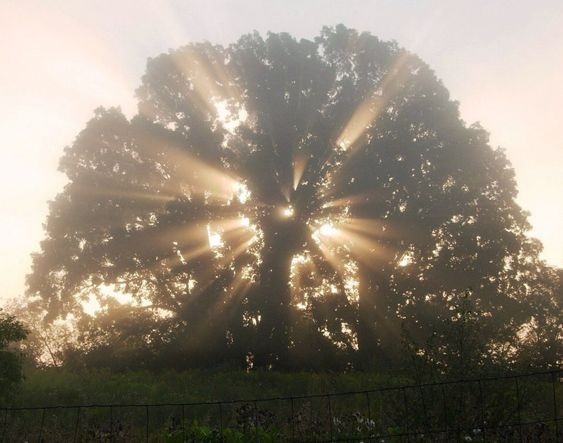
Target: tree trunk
(372, 324)
(282, 240)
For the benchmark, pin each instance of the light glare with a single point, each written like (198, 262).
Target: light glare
(328, 230)
(242, 193)
(288, 212)
(214, 239)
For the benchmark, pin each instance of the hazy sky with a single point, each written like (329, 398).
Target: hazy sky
(502, 60)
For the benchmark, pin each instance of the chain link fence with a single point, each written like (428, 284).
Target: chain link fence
(525, 408)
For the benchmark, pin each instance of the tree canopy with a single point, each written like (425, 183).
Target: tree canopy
(291, 204)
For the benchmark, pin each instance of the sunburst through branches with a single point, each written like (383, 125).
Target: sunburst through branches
(236, 179)
(231, 216)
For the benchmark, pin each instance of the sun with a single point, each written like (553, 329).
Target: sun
(288, 211)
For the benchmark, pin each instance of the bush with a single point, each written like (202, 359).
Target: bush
(11, 331)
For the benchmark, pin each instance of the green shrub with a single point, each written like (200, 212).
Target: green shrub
(11, 331)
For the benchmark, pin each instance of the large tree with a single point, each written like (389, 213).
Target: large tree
(285, 203)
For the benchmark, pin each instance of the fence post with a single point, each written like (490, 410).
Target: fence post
(555, 414)
(330, 416)
(460, 412)
(147, 423)
(5, 431)
(183, 423)
(111, 423)
(369, 413)
(41, 426)
(256, 419)
(311, 418)
(518, 410)
(292, 420)
(482, 408)
(75, 438)
(407, 426)
(424, 410)
(220, 421)
(445, 408)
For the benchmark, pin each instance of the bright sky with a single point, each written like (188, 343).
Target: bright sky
(502, 60)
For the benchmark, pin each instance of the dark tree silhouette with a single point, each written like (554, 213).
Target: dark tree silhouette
(11, 331)
(286, 203)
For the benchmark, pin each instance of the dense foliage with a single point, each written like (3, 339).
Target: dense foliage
(11, 331)
(291, 204)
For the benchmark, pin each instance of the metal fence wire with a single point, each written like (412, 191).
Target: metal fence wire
(525, 408)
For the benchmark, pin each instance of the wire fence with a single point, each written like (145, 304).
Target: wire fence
(525, 408)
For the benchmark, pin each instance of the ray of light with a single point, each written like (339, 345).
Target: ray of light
(238, 287)
(97, 299)
(353, 200)
(200, 177)
(329, 236)
(222, 262)
(237, 230)
(300, 160)
(183, 243)
(285, 190)
(243, 247)
(241, 284)
(129, 194)
(331, 254)
(179, 257)
(354, 134)
(230, 224)
(212, 87)
(364, 116)
(369, 227)
(371, 107)
(190, 254)
(183, 235)
(237, 290)
(366, 250)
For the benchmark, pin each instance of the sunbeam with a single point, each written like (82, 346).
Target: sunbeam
(353, 200)
(107, 192)
(356, 238)
(196, 176)
(211, 87)
(300, 160)
(368, 111)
